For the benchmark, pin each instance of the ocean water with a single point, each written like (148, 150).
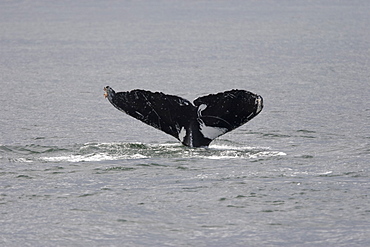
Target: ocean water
(74, 171)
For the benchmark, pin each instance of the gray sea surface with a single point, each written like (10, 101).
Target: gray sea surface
(74, 171)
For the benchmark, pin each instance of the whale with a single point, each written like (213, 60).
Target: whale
(194, 124)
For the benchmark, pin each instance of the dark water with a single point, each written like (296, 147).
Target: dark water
(74, 171)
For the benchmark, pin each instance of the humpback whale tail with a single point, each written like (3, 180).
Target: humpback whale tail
(194, 125)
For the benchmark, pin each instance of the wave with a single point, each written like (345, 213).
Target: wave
(92, 152)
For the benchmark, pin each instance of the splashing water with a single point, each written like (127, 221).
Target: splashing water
(91, 152)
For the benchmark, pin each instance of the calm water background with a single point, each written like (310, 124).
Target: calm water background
(74, 171)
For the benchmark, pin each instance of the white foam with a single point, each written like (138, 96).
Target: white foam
(238, 152)
(216, 157)
(119, 151)
(230, 155)
(93, 157)
(266, 154)
(227, 147)
(326, 173)
(21, 160)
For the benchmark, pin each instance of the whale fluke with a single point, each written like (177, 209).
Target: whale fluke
(194, 125)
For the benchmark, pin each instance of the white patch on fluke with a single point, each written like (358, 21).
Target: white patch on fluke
(211, 132)
(259, 104)
(201, 108)
(208, 131)
(182, 134)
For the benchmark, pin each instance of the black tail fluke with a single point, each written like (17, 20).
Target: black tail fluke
(194, 125)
